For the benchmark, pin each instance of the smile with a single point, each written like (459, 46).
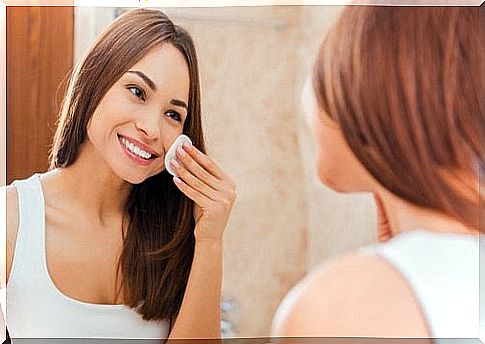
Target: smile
(135, 149)
(136, 153)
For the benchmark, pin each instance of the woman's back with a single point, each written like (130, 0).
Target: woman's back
(443, 272)
(397, 115)
(418, 284)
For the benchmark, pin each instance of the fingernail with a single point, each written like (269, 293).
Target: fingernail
(181, 151)
(177, 180)
(175, 163)
(187, 146)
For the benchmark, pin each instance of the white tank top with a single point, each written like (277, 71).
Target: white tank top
(37, 309)
(443, 273)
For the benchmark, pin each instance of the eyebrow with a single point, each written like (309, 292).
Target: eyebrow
(152, 85)
(178, 102)
(145, 78)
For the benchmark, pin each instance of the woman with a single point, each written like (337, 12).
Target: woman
(107, 244)
(398, 92)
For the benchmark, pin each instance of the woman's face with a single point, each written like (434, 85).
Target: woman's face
(140, 116)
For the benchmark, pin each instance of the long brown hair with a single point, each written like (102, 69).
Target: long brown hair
(159, 242)
(403, 84)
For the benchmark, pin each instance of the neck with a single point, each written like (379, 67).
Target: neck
(404, 216)
(96, 188)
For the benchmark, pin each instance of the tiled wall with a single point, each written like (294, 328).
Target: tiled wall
(253, 62)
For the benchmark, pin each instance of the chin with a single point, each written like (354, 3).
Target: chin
(134, 178)
(135, 181)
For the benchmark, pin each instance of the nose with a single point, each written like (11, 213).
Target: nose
(149, 124)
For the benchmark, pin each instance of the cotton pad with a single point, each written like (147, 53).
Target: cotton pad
(173, 149)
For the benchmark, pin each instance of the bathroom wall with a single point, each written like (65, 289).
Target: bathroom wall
(253, 62)
(337, 223)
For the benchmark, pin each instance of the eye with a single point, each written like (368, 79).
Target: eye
(175, 115)
(137, 92)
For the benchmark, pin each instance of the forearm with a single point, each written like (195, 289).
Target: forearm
(199, 315)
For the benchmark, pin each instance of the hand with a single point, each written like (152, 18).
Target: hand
(384, 232)
(213, 192)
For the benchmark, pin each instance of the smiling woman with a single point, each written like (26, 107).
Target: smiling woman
(111, 246)
(136, 99)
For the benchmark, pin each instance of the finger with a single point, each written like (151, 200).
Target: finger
(197, 170)
(191, 193)
(206, 162)
(192, 181)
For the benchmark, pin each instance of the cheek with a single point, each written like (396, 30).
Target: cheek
(97, 127)
(337, 167)
(329, 162)
(169, 134)
(110, 112)
(93, 128)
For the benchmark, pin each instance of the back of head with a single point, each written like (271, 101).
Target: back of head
(403, 85)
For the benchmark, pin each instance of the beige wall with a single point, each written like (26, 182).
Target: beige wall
(251, 129)
(337, 223)
(253, 63)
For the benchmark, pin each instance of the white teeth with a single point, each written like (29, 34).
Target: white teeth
(135, 150)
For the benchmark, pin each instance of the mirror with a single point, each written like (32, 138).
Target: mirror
(253, 64)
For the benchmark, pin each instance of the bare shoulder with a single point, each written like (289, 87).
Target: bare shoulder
(12, 215)
(354, 295)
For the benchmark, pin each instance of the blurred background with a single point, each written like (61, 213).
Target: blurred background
(253, 63)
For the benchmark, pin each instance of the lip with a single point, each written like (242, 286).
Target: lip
(140, 144)
(136, 159)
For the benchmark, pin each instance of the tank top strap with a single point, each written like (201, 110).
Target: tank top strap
(29, 244)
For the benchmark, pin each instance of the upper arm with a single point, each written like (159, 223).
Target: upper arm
(12, 223)
(353, 296)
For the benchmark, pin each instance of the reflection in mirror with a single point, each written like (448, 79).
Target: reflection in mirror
(253, 64)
